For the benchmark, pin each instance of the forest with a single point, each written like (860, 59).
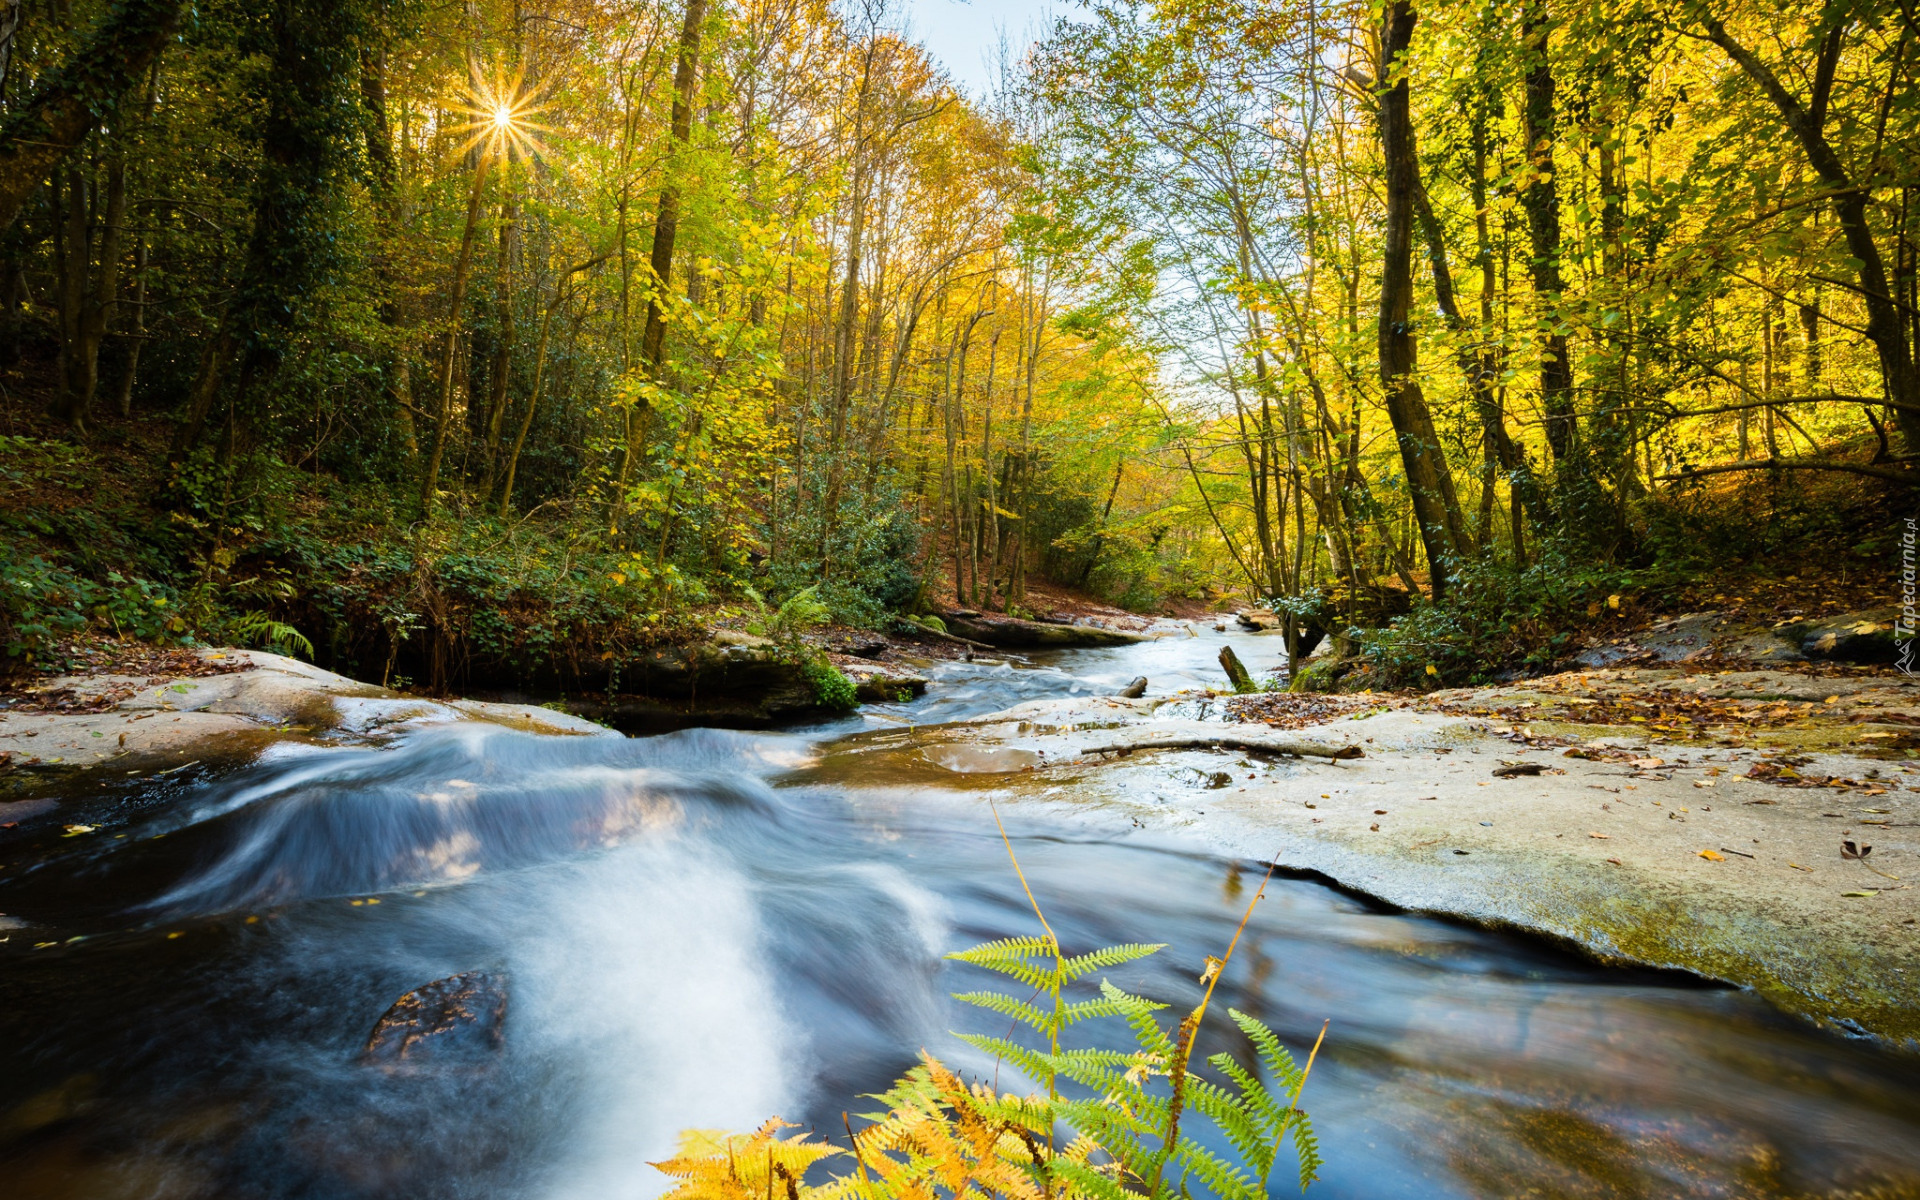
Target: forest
(466, 342)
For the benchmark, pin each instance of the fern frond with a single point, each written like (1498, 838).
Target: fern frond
(1008, 1006)
(1090, 1182)
(1307, 1147)
(1034, 1064)
(1016, 957)
(1086, 1010)
(1107, 956)
(1280, 1065)
(717, 1166)
(1222, 1178)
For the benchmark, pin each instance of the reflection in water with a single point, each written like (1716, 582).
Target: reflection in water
(689, 944)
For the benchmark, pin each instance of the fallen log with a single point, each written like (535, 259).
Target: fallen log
(1245, 745)
(916, 629)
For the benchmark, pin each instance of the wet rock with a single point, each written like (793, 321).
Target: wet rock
(736, 680)
(1258, 619)
(882, 688)
(1134, 690)
(1013, 633)
(868, 648)
(1321, 674)
(457, 1020)
(1862, 637)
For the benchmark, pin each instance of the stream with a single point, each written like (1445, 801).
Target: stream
(698, 932)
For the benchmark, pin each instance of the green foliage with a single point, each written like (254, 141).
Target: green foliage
(1497, 618)
(830, 685)
(42, 603)
(39, 604)
(860, 565)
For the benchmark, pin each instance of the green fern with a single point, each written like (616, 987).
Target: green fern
(940, 1138)
(1135, 1121)
(257, 628)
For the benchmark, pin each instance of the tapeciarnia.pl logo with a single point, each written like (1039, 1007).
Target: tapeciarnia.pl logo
(1903, 628)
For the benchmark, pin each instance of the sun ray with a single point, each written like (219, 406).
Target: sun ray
(500, 108)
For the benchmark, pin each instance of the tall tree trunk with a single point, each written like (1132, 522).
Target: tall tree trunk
(1542, 201)
(88, 293)
(136, 335)
(500, 372)
(456, 301)
(390, 205)
(1436, 507)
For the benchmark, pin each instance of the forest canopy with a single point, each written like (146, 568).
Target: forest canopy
(485, 333)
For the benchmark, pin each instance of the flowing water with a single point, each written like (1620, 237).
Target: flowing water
(699, 933)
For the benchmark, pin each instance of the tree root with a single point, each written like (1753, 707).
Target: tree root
(1245, 745)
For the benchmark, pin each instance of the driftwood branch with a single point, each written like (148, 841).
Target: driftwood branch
(1243, 745)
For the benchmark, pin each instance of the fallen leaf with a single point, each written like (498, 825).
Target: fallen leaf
(1713, 856)
(1863, 892)
(77, 830)
(1616, 862)
(1601, 836)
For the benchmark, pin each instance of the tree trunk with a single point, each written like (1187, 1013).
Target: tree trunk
(384, 170)
(1542, 202)
(1436, 507)
(443, 383)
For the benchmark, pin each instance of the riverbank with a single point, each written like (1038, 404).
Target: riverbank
(166, 709)
(1736, 849)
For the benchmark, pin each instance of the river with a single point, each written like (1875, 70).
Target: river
(698, 931)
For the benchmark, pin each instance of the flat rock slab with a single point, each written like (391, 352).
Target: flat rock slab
(172, 721)
(1671, 856)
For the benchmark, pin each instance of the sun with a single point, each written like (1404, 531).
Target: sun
(500, 107)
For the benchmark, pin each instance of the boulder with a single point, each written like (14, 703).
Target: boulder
(1013, 633)
(1258, 619)
(459, 1020)
(736, 680)
(883, 688)
(1862, 637)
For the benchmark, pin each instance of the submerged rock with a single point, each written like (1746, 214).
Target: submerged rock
(460, 1019)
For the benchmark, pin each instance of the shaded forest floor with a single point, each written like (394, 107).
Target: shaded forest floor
(104, 541)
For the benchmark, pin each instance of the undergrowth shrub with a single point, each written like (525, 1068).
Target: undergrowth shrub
(1496, 618)
(1127, 1115)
